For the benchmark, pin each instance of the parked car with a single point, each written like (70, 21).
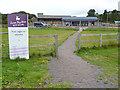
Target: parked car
(38, 24)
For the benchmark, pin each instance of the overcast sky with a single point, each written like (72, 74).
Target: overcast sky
(58, 7)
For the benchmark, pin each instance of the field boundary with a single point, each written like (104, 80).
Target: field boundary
(55, 44)
(79, 38)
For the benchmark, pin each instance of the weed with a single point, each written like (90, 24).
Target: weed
(106, 82)
(99, 78)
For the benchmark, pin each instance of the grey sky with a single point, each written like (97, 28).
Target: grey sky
(58, 7)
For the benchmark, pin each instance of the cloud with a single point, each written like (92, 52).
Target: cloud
(65, 7)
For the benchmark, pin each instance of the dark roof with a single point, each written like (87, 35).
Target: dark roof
(80, 19)
(53, 16)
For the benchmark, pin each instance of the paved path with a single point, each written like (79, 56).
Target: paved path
(70, 67)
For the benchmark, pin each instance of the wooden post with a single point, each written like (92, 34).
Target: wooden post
(56, 45)
(79, 41)
(100, 40)
(118, 38)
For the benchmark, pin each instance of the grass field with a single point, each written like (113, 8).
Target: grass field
(63, 34)
(93, 38)
(106, 56)
(32, 73)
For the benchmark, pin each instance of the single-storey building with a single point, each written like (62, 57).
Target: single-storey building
(51, 19)
(67, 20)
(80, 21)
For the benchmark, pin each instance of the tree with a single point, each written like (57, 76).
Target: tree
(30, 16)
(105, 16)
(91, 13)
(20, 12)
(108, 16)
(4, 18)
(114, 15)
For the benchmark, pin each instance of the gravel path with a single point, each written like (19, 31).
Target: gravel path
(70, 67)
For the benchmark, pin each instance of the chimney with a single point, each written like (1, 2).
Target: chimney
(39, 14)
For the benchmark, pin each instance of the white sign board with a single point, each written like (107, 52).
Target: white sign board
(18, 36)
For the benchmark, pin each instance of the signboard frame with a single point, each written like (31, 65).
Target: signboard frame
(18, 36)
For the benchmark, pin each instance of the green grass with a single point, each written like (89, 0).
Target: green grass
(102, 29)
(93, 38)
(0, 64)
(63, 34)
(106, 56)
(0, 74)
(32, 73)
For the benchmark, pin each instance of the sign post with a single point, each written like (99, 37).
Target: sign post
(18, 36)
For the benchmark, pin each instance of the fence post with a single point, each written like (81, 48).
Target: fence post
(79, 41)
(56, 45)
(118, 38)
(100, 40)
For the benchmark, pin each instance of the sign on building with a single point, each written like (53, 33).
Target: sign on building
(18, 36)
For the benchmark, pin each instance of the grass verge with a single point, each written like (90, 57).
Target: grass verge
(106, 57)
(32, 73)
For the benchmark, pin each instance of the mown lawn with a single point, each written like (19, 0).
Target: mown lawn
(32, 73)
(106, 56)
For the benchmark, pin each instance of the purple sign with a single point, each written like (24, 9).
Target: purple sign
(17, 20)
(18, 36)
